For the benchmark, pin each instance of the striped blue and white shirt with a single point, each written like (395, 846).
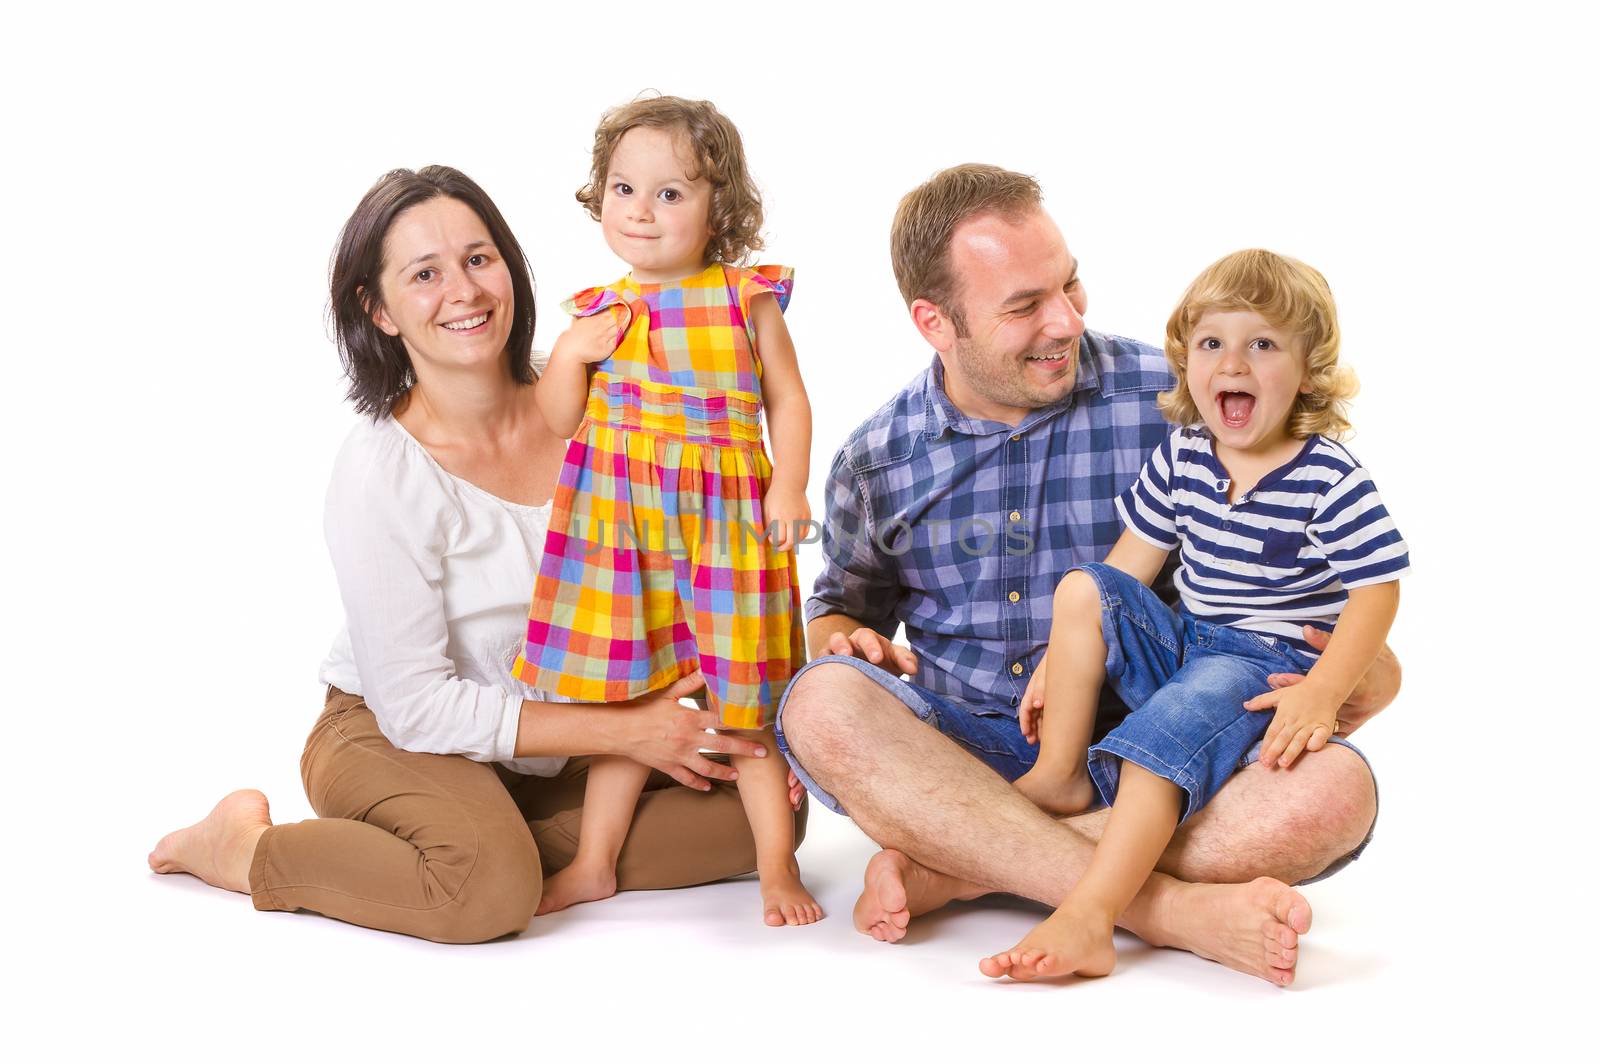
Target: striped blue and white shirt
(1282, 555)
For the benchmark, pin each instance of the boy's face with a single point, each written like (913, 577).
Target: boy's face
(1244, 374)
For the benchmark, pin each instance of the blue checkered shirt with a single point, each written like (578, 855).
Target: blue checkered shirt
(960, 528)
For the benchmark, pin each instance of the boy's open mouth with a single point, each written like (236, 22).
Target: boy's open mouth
(1236, 408)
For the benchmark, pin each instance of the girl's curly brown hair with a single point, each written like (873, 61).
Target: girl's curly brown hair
(718, 153)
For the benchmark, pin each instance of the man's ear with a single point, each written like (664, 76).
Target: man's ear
(380, 317)
(934, 325)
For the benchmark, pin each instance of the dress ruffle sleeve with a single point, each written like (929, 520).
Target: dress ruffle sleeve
(758, 280)
(592, 301)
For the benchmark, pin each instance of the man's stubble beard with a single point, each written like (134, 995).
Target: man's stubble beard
(1000, 378)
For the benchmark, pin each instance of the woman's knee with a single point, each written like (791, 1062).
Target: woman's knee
(498, 894)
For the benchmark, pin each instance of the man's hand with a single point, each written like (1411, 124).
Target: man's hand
(868, 645)
(1374, 693)
(1031, 711)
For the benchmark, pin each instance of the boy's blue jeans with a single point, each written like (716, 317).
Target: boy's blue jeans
(1185, 682)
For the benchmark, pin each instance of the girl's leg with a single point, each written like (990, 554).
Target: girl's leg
(1076, 939)
(608, 804)
(680, 837)
(420, 844)
(764, 790)
(1059, 780)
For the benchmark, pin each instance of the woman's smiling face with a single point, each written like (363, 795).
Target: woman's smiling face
(446, 290)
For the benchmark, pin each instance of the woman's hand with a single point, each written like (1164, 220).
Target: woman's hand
(656, 730)
(785, 507)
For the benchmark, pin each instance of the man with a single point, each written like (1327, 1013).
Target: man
(954, 510)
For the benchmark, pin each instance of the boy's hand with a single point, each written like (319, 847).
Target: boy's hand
(1307, 717)
(786, 506)
(1031, 711)
(587, 340)
(1375, 691)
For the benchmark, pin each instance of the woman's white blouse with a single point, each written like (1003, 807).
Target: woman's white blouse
(435, 575)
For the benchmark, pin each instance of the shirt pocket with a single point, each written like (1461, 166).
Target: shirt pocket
(1280, 547)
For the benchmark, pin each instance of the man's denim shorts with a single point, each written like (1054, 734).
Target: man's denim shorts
(993, 736)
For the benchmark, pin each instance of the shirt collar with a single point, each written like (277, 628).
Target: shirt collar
(939, 413)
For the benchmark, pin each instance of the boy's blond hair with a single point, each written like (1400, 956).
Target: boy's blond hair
(1291, 296)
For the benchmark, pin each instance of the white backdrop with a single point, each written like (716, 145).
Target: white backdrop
(176, 178)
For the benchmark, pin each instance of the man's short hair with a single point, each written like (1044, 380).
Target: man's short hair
(919, 241)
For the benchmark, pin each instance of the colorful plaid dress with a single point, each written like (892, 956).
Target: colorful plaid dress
(655, 564)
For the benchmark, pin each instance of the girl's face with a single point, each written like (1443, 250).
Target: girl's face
(654, 216)
(446, 291)
(1244, 375)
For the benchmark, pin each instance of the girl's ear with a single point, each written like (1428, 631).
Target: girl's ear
(380, 317)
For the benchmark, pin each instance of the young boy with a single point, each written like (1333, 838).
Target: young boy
(1277, 527)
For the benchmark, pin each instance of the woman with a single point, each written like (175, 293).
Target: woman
(445, 793)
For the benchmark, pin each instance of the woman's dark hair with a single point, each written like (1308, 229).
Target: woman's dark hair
(376, 363)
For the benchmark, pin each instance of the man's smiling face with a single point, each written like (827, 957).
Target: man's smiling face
(1020, 316)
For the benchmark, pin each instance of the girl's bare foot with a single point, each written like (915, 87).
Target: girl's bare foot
(219, 849)
(576, 883)
(784, 899)
(1070, 942)
(1059, 793)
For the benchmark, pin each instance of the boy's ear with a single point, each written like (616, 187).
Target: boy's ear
(380, 317)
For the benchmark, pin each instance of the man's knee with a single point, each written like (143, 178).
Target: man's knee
(822, 705)
(1337, 809)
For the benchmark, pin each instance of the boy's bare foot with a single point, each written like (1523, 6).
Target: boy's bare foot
(1069, 942)
(1253, 927)
(1057, 792)
(576, 883)
(784, 899)
(219, 848)
(896, 888)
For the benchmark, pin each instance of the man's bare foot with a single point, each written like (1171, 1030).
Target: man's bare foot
(219, 848)
(1057, 792)
(1253, 927)
(576, 883)
(784, 899)
(1069, 942)
(896, 888)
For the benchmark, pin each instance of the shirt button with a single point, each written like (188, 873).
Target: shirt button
(1016, 515)
(1014, 597)
(1016, 670)
(1017, 437)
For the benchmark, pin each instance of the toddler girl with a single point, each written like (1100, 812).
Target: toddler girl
(1277, 527)
(656, 563)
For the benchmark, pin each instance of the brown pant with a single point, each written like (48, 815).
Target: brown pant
(454, 850)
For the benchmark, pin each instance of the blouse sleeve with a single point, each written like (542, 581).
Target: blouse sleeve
(387, 529)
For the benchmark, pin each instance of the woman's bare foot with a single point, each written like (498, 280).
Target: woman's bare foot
(578, 882)
(1069, 942)
(784, 899)
(1253, 927)
(219, 849)
(896, 888)
(1059, 793)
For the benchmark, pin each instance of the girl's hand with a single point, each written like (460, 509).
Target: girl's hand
(1031, 710)
(1307, 717)
(587, 340)
(785, 506)
(658, 731)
